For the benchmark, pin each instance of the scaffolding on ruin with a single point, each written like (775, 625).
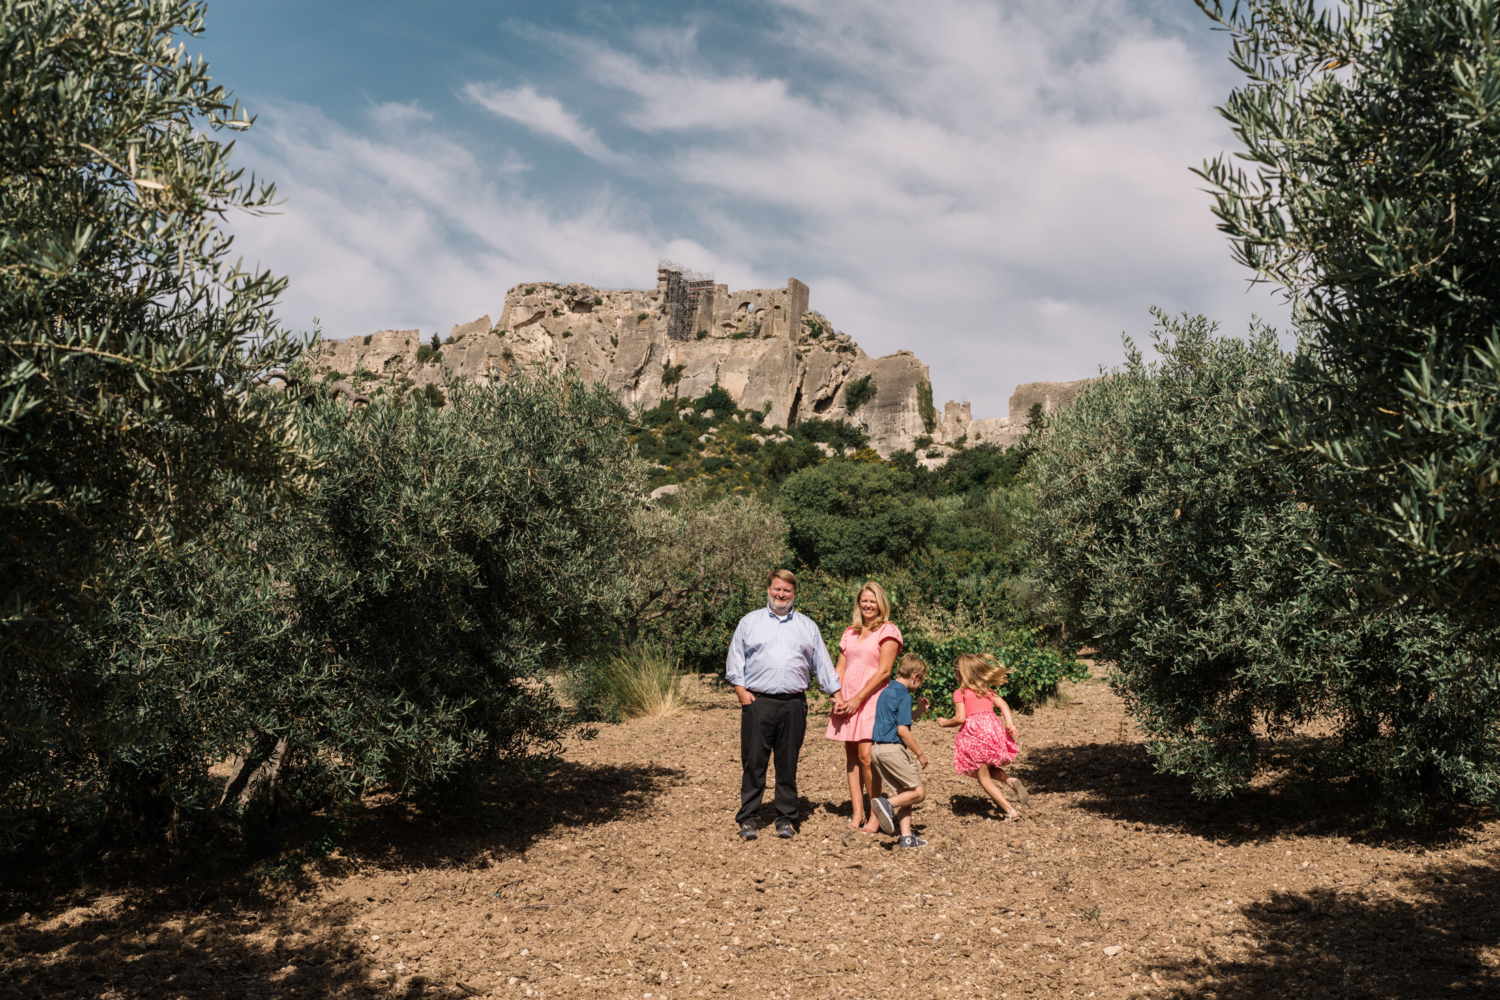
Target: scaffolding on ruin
(682, 290)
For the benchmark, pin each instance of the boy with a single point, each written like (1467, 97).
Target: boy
(892, 750)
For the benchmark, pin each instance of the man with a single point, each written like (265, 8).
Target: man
(770, 658)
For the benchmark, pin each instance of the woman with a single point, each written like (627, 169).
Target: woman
(867, 651)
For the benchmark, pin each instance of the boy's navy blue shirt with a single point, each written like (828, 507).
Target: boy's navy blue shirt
(892, 709)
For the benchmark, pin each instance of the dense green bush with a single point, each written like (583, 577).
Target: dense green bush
(1035, 668)
(1184, 565)
(685, 558)
(430, 352)
(718, 399)
(849, 517)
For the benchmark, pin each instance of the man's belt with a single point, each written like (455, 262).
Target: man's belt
(788, 696)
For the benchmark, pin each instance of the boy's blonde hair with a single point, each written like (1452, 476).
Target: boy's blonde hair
(911, 665)
(882, 604)
(981, 673)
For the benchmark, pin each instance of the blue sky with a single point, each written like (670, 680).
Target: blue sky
(1002, 187)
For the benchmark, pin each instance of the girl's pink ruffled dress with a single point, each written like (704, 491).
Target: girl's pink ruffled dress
(981, 739)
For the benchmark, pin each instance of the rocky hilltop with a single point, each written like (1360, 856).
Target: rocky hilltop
(765, 346)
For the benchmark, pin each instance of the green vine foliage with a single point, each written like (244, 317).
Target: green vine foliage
(1367, 192)
(926, 406)
(1187, 567)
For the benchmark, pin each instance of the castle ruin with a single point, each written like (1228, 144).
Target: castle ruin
(765, 346)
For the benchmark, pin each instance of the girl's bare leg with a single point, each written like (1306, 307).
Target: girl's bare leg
(871, 781)
(993, 790)
(851, 762)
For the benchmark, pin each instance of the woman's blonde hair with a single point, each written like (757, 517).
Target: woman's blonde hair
(882, 604)
(981, 673)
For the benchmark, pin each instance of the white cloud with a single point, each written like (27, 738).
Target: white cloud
(1001, 186)
(400, 226)
(542, 114)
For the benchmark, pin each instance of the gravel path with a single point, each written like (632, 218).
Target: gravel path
(618, 875)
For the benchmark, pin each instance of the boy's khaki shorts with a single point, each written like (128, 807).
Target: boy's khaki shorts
(895, 764)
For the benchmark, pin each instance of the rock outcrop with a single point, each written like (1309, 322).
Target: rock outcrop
(764, 346)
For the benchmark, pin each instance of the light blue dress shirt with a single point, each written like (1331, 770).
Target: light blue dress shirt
(775, 655)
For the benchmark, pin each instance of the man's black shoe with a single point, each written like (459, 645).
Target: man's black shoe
(784, 829)
(748, 830)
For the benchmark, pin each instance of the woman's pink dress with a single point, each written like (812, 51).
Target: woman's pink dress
(861, 662)
(982, 739)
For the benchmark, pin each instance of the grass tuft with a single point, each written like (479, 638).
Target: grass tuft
(643, 681)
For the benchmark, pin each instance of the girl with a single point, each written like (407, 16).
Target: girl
(984, 745)
(867, 652)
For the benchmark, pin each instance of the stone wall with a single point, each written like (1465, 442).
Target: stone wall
(765, 346)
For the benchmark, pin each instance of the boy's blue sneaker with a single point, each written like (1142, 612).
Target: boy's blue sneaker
(884, 814)
(912, 841)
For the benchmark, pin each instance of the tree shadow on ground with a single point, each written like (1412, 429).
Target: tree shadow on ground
(214, 924)
(1420, 935)
(513, 811)
(1118, 781)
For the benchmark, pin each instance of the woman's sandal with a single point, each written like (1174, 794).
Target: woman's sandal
(1022, 796)
(1014, 816)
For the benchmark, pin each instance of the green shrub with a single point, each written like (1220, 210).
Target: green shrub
(671, 374)
(782, 460)
(718, 399)
(712, 465)
(859, 392)
(430, 352)
(685, 560)
(839, 433)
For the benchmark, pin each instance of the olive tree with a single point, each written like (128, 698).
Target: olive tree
(1367, 191)
(688, 555)
(1187, 568)
(129, 341)
(392, 625)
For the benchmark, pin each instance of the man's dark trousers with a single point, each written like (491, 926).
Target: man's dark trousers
(772, 723)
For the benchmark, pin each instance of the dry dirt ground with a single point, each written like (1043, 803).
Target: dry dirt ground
(618, 875)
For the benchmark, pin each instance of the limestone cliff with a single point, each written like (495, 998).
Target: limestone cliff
(764, 346)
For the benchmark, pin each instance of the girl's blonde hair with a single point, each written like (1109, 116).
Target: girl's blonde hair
(882, 603)
(981, 673)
